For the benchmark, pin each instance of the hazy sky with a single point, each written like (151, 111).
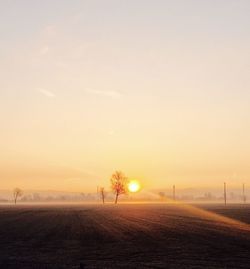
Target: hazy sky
(158, 89)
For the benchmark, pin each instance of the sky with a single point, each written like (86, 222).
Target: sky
(158, 89)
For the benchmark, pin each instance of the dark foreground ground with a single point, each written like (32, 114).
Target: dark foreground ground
(125, 236)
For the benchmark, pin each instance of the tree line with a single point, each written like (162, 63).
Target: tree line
(119, 185)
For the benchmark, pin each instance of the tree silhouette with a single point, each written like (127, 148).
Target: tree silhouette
(119, 184)
(103, 194)
(17, 193)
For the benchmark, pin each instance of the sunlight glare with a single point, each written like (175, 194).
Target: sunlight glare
(134, 186)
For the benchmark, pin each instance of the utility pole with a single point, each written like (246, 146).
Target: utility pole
(243, 193)
(174, 192)
(225, 193)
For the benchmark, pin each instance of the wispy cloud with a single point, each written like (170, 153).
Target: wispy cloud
(46, 92)
(110, 93)
(44, 50)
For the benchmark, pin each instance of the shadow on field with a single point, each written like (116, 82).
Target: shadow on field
(170, 236)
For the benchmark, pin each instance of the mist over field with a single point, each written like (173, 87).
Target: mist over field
(198, 195)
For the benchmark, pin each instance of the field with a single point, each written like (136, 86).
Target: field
(125, 236)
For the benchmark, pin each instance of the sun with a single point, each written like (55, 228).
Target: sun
(134, 186)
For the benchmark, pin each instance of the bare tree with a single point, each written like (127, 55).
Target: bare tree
(17, 193)
(119, 184)
(103, 194)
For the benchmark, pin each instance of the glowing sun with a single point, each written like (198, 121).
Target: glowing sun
(134, 186)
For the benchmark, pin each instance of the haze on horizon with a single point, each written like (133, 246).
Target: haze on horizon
(157, 89)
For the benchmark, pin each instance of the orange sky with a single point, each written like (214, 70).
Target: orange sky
(158, 90)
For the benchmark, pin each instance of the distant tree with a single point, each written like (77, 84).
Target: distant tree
(17, 193)
(103, 194)
(162, 195)
(119, 184)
